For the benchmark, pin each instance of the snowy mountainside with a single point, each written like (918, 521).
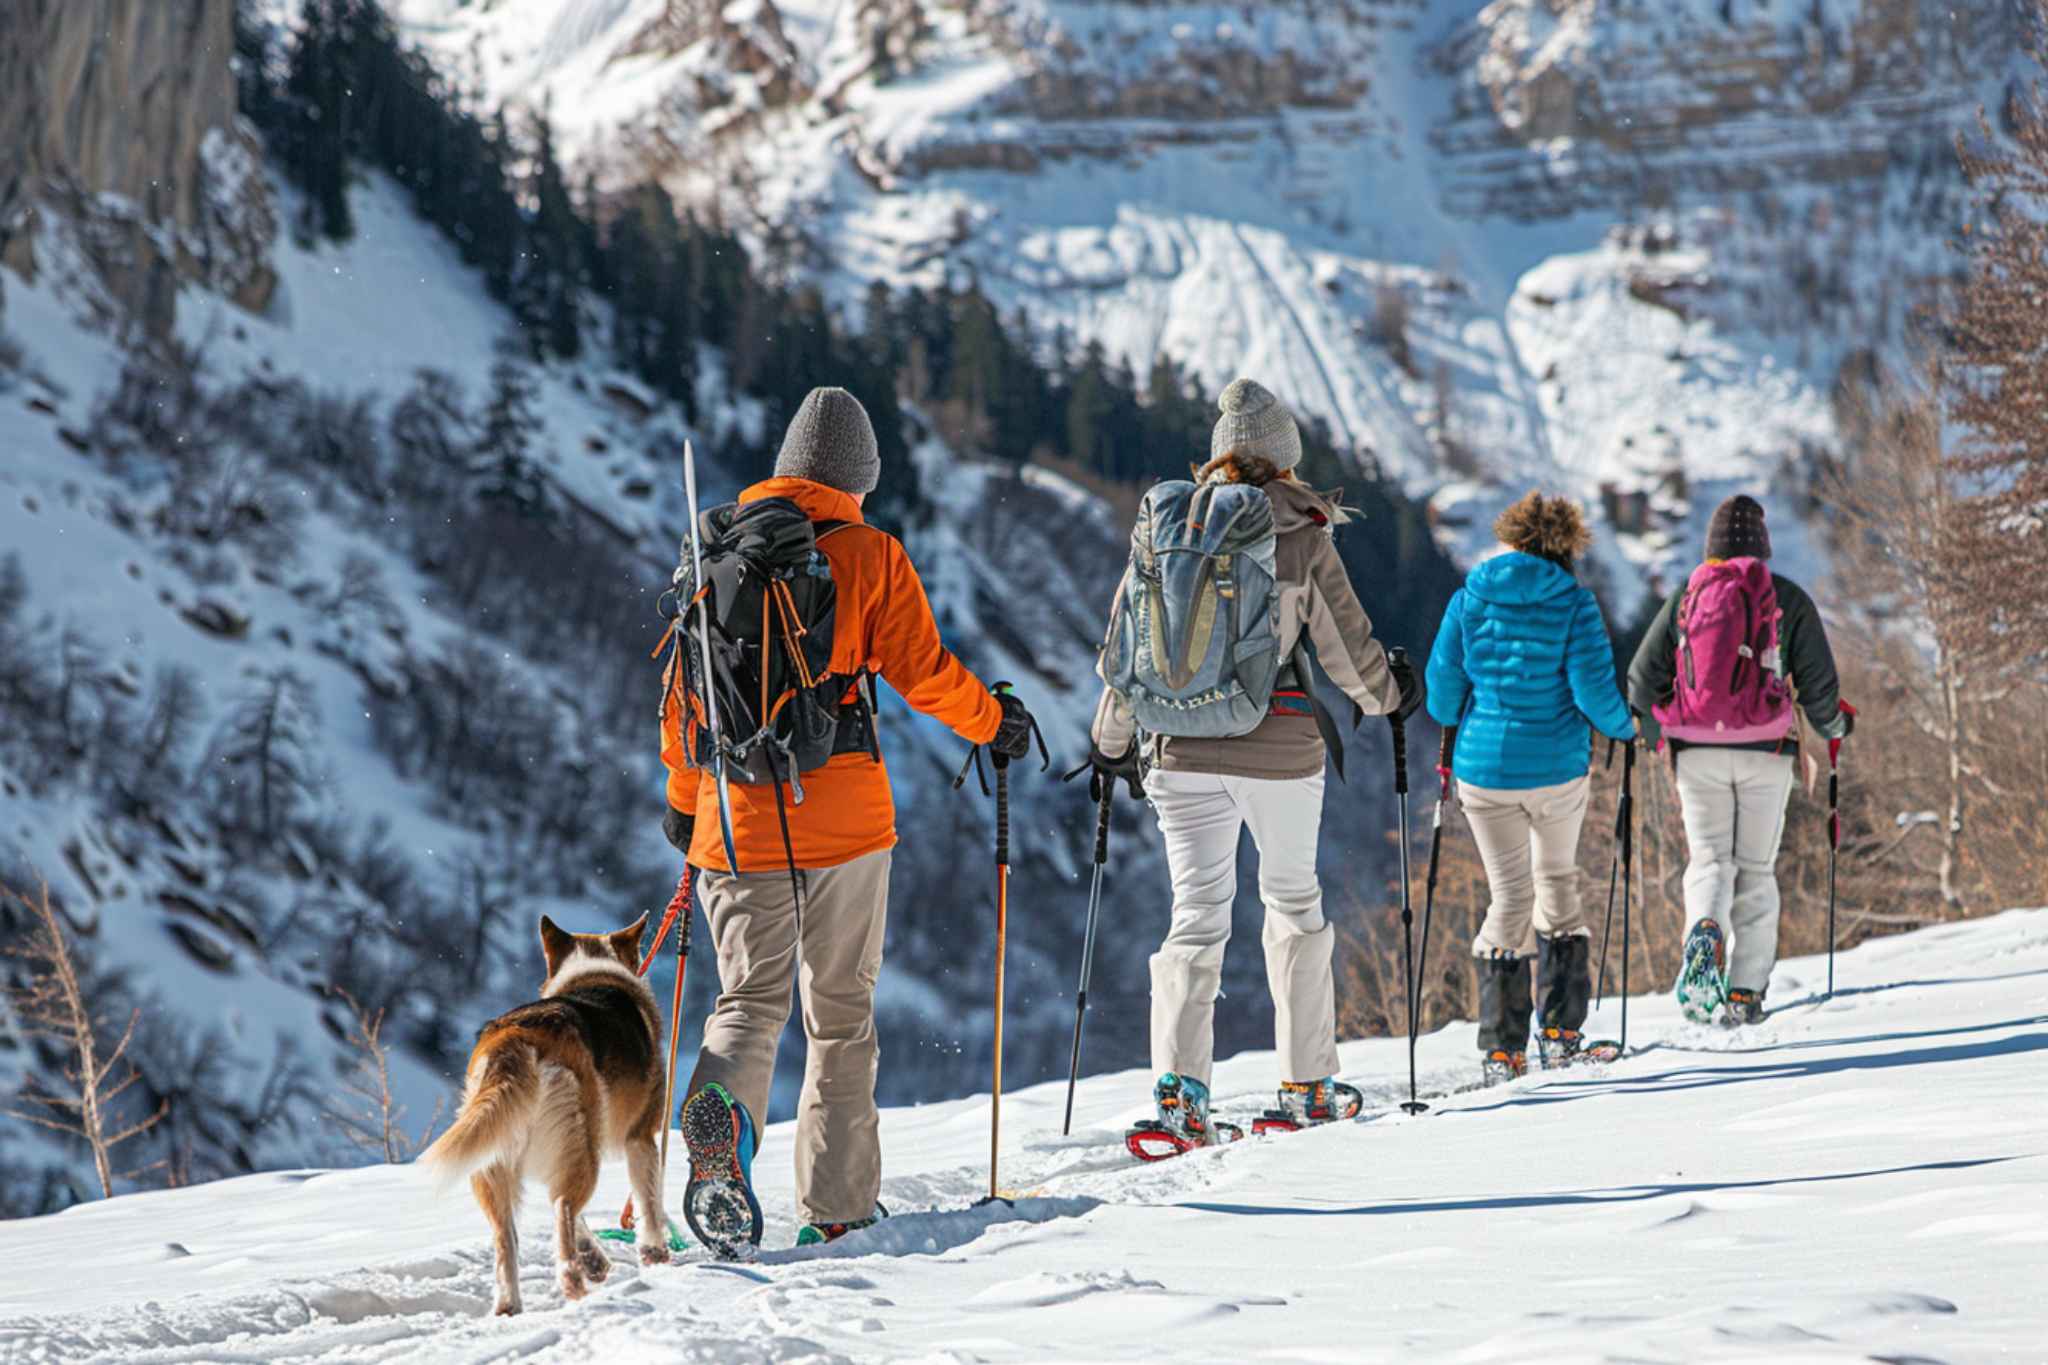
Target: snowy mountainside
(1855, 1179)
(1347, 198)
(466, 734)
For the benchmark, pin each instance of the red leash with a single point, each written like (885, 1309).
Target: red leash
(678, 906)
(678, 909)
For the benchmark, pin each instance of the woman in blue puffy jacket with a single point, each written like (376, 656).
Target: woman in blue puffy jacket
(1524, 672)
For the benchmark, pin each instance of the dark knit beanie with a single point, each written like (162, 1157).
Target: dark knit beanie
(1737, 530)
(831, 441)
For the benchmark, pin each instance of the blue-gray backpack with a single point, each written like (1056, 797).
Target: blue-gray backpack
(1194, 638)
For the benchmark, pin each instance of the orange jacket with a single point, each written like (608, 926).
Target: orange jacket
(883, 623)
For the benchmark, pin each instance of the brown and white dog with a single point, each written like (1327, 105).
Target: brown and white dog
(552, 1088)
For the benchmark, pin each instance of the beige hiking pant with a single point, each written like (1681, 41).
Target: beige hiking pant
(754, 925)
(1529, 841)
(1734, 801)
(1201, 815)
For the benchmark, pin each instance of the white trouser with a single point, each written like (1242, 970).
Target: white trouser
(1200, 815)
(1529, 841)
(1734, 806)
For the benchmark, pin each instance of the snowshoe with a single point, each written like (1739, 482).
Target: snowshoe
(1183, 1123)
(1744, 1007)
(719, 1203)
(1703, 973)
(817, 1234)
(1502, 1066)
(1304, 1104)
(1557, 1048)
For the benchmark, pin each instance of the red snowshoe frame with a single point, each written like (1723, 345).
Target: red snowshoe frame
(1152, 1140)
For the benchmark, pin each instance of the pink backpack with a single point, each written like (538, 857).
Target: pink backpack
(1731, 686)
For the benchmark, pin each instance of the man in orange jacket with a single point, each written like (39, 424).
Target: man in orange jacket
(841, 838)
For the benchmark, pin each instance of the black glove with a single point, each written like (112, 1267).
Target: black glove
(1013, 736)
(1107, 770)
(679, 828)
(1408, 680)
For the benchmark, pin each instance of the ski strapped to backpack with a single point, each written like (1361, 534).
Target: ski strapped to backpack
(1731, 686)
(750, 640)
(1193, 646)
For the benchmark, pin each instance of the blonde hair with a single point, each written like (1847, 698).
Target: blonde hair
(1550, 527)
(1235, 467)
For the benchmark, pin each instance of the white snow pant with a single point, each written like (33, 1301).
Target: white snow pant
(1200, 815)
(1529, 841)
(1734, 806)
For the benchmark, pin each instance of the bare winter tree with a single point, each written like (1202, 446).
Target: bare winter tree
(367, 1109)
(1911, 557)
(53, 1004)
(1995, 379)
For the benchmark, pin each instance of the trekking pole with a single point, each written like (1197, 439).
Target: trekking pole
(1400, 728)
(1834, 840)
(1436, 849)
(1613, 876)
(1002, 766)
(995, 1108)
(1628, 873)
(1088, 948)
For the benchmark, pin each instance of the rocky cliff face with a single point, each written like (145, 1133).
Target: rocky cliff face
(120, 115)
(1488, 242)
(1631, 101)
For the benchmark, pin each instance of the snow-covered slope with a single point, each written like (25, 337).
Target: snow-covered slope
(1858, 1178)
(1357, 200)
(419, 895)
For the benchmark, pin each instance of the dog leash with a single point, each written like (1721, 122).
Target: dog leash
(678, 909)
(676, 906)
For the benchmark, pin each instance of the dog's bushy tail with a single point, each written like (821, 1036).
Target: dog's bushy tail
(503, 1088)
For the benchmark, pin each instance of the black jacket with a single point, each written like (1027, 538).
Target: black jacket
(1802, 639)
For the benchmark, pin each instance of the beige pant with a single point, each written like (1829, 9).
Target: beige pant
(1201, 816)
(1733, 801)
(1529, 842)
(754, 925)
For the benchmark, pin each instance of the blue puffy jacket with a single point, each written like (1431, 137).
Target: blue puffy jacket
(1522, 664)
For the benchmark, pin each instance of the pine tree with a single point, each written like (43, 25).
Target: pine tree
(502, 464)
(551, 284)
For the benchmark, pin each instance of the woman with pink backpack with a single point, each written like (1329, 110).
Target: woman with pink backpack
(1727, 666)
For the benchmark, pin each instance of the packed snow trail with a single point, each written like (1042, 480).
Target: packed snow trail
(1859, 1178)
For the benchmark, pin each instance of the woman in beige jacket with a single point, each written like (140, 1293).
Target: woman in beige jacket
(1205, 790)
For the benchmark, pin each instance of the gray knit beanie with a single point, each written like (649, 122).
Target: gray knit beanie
(1254, 422)
(831, 441)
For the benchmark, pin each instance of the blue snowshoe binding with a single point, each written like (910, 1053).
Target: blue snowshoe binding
(719, 1203)
(1703, 973)
(1183, 1123)
(1304, 1104)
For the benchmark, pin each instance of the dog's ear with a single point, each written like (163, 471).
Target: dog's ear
(626, 942)
(556, 944)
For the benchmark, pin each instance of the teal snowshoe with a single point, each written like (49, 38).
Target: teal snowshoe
(1183, 1123)
(1703, 973)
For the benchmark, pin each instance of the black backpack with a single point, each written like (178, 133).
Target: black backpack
(771, 604)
